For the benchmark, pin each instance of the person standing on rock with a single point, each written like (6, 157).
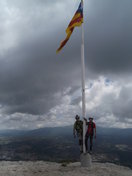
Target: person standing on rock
(78, 131)
(90, 133)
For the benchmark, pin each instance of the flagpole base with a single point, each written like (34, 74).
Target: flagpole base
(86, 160)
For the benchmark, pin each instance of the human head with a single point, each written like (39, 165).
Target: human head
(90, 119)
(77, 117)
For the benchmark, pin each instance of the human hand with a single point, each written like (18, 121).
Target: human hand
(85, 119)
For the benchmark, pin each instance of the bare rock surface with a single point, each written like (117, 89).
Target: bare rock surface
(41, 168)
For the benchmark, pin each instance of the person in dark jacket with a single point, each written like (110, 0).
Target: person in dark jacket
(78, 131)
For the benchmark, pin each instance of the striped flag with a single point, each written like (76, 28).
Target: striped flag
(77, 20)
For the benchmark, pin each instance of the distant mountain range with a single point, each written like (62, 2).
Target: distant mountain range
(58, 144)
(66, 130)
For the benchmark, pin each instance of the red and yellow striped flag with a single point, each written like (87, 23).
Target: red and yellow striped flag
(77, 20)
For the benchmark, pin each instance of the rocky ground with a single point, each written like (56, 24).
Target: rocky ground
(40, 168)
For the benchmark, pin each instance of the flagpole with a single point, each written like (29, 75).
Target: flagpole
(83, 83)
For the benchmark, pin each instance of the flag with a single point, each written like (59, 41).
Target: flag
(77, 20)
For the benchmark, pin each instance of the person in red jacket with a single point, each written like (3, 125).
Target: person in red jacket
(91, 131)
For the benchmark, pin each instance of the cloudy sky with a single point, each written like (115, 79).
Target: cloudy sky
(40, 88)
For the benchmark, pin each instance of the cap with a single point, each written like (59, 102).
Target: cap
(77, 117)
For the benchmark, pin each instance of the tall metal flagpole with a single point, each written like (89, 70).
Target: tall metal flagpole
(83, 83)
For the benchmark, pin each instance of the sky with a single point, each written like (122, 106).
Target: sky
(39, 88)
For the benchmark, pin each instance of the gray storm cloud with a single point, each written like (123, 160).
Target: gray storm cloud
(31, 74)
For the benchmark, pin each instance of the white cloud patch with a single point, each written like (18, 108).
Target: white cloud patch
(100, 92)
(103, 102)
